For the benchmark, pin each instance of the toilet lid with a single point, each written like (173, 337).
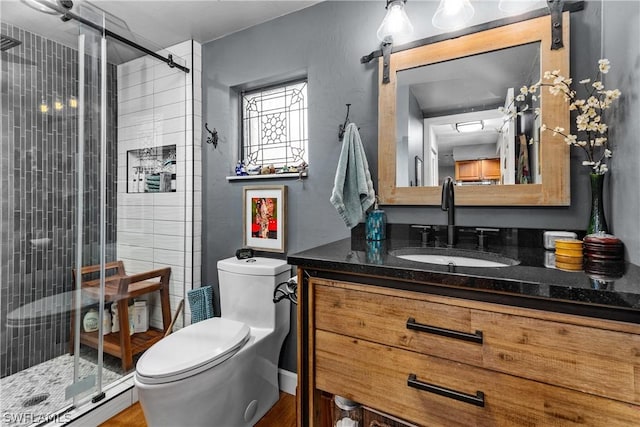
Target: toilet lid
(192, 349)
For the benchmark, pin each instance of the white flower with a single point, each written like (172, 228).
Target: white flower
(589, 116)
(570, 139)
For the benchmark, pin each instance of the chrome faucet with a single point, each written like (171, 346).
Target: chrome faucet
(448, 204)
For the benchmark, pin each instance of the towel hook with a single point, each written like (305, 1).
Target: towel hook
(213, 138)
(342, 126)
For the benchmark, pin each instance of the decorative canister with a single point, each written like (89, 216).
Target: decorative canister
(346, 413)
(376, 224)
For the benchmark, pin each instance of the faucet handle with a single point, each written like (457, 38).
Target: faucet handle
(424, 232)
(422, 227)
(482, 237)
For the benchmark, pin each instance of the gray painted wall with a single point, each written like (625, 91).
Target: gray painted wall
(622, 49)
(325, 42)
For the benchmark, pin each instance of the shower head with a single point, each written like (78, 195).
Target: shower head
(7, 42)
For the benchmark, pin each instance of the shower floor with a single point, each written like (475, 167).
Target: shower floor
(29, 396)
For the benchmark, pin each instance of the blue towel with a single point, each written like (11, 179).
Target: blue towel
(201, 303)
(353, 190)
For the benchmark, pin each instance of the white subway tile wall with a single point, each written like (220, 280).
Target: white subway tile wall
(158, 106)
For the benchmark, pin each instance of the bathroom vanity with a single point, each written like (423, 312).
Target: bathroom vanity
(437, 345)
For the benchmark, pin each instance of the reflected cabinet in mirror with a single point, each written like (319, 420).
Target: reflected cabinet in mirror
(443, 106)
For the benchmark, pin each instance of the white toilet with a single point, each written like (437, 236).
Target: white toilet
(221, 371)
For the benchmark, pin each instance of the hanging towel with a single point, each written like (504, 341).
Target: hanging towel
(201, 303)
(353, 190)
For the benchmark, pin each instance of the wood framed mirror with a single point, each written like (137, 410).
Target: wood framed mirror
(503, 183)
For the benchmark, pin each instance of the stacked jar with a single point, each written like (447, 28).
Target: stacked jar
(346, 413)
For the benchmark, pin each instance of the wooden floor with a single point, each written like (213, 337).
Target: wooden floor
(283, 414)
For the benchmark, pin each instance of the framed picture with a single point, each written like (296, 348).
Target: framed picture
(264, 217)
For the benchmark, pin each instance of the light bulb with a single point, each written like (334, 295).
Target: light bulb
(452, 14)
(58, 105)
(395, 23)
(44, 108)
(73, 102)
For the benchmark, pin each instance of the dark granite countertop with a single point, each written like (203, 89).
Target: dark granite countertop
(614, 296)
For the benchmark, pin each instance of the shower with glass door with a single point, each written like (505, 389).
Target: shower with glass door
(60, 185)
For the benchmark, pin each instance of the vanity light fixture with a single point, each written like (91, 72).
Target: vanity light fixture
(470, 126)
(395, 23)
(452, 14)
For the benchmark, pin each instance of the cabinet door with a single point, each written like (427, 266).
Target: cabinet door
(491, 169)
(468, 170)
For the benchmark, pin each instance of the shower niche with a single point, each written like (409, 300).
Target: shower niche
(151, 170)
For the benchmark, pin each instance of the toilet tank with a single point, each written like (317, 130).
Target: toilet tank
(246, 289)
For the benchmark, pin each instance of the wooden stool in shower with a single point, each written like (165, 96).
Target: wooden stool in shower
(119, 289)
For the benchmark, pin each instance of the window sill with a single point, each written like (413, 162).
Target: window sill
(295, 175)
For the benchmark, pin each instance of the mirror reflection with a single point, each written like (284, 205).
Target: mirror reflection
(449, 122)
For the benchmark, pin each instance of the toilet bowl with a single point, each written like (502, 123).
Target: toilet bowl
(221, 371)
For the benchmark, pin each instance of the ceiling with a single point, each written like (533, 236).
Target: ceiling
(151, 23)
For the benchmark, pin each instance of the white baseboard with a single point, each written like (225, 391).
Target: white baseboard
(288, 381)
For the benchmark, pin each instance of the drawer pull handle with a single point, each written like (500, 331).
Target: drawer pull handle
(477, 400)
(412, 324)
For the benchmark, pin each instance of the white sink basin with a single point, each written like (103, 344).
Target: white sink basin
(454, 257)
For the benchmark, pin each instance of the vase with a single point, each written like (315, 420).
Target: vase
(597, 221)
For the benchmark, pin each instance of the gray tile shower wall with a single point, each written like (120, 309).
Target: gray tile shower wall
(39, 191)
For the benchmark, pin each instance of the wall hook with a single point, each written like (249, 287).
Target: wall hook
(213, 138)
(343, 126)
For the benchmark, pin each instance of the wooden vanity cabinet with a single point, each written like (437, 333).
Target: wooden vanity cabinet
(440, 361)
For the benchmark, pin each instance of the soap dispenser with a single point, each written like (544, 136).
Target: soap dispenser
(376, 223)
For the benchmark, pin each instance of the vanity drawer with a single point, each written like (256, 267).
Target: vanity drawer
(598, 361)
(561, 351)
(430, 328)
(456, 394)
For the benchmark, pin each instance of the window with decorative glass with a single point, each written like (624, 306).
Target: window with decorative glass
(274, 126)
